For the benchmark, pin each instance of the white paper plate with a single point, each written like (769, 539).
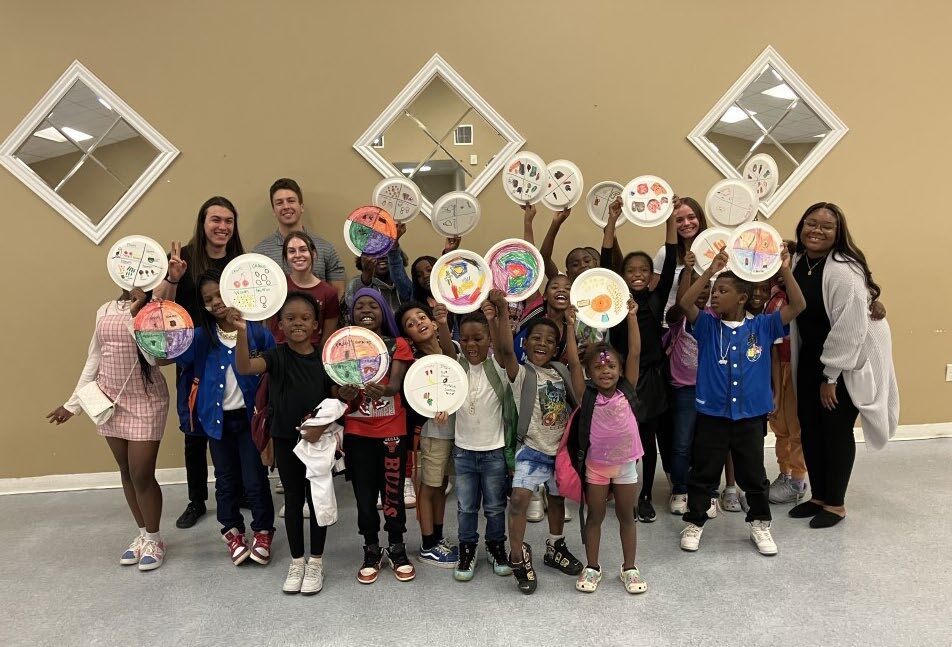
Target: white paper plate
(455, 214)
(761, 171)
(399, 197)
(564, 187)
(647, 201)
(137, 262)
(460, 280)
(254, 285)
(525, 178)
(601, 297)
(517, 268)
(370, 231)
(754, 250)
(707, 245)
(435, 384)
(731, 203)
(163, 329)
(355, 356)
(598, 200)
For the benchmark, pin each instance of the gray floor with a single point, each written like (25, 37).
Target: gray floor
(879, 578)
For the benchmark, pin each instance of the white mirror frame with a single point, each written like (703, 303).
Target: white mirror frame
(771, 58)
(436, 66)
(95, 232)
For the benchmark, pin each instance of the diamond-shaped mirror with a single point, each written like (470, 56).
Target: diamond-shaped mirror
(768, 122)
(440, 133)
(86, 152)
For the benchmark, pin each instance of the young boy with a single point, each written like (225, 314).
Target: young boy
(733, 395)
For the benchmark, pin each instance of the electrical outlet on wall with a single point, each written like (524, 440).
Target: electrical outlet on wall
(473, 160)
(948, 372)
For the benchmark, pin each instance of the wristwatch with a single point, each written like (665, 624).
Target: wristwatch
(831, 380)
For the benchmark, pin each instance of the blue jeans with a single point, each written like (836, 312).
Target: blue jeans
(480, 477)
(683, 421)
(238, 463)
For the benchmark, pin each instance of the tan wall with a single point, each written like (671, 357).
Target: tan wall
(613, 94)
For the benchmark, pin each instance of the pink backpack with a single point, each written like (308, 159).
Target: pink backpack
(566, 478)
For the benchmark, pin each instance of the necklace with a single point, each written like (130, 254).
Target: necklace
(813, 266)
(720, 344)
(474, 384)
(227, 336)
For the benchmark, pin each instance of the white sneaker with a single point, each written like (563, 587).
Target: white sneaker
(691, 537)
(678, 503)
(313, 577)
(712, 511)
(535, 510)
(760, 535)
(295, 578)
(409, 494)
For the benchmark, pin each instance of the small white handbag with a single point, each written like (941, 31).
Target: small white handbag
(96, 404)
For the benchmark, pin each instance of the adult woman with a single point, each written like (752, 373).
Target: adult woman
(298, 252)
(133, 432)
(842, 361)
(689, 220)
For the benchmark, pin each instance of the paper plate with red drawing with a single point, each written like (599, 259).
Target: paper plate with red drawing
(647, 201)
(355, 356)
(517, 268)
(370, 231)
(455, 214)
(254, 285)
(762, 173)
(707, 245)
(435, 384)
(754, 250)
(731, 203)
(601, 297)
(137, 262)
(525, 178)
(564, 186)
(163, 329)
(600, 198)
(460, 280)
(399, 197)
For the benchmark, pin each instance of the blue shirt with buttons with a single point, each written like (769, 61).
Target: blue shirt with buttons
(733, 365)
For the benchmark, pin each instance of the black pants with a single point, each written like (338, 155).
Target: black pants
(297, 490)
(713, 439)
(829, 447)
(652, 430)
(196, 467)
(377, 466)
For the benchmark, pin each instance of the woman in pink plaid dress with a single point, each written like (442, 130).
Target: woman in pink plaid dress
(134, 383)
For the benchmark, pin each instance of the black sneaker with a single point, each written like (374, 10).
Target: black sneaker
(558, 556)
(646, 513)
(373, 560)
(525, 575)
(497, 557)
(193, 512)
(402, 568)
(466, 566)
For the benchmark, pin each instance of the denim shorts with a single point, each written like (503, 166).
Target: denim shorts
(533, 468)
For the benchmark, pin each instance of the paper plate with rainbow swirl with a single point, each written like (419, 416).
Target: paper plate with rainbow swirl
(460, 280)
(370, 231)
(517, 268)
(601, 297)
(355, 356)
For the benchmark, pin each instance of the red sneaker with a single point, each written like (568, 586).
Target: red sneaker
(237, 546)
(261, 547)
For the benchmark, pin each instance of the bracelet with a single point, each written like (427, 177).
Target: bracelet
(171, 282)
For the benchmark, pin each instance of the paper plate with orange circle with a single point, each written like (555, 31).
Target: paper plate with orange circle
(754, 250)
(600, 198)
(163, 329)
(254, 285)
(601, 297)
(707, 245)
(564, 186)
(355, 356)
(137, 262)
(525, 178)
(517, 268)
(435, 384)
(647, 201)
(460, 280)
(455, 214)
(399, 197)
(370, 231)
(762, 172)
(731, 203)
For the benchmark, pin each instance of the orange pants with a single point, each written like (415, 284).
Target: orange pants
(786, 428)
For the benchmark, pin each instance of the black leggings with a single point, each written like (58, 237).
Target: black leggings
(377, 466)
(297, 490)
(656, 429)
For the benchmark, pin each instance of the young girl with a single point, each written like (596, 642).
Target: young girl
(578, 259)
(298, 384)
(141, 397)
(299, 253)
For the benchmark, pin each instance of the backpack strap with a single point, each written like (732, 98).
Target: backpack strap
(510, 416)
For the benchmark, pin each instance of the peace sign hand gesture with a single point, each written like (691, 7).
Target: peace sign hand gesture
(177, 266)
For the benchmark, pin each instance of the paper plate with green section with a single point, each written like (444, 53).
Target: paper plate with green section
(163, 329)
(355, 356)
(370, 231)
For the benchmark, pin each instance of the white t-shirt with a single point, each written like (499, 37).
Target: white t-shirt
(550, 413)
(673, 294)
(233, 399)
(483, 429)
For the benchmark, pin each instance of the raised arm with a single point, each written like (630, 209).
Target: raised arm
(443, 330)
(501, 334)
(528, 215)
(571, 354)
(659, 294)
(398, 271)
(548, 243)
(608, 239)
(633, 361)
(177, 267)
(687, 275)
(691, 311)
(796, 302)
(246, 364)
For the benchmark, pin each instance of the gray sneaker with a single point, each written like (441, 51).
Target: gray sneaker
(784, 490)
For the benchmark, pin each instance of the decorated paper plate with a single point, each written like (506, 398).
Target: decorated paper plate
(435, 384)
(137, 262)
(525, 178)
(761, 171)
(254, 285)
(517, 268)
(647, 200)
(754, 249)
(731, 203)
(707, 245)
(599, 198)
(564, 186)
(455, 214)
(601, 297)
(355, 356)
(460, 280)
(370, 231)
(399, 197)
(163, 329)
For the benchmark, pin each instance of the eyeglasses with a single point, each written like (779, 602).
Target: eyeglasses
(825, 227)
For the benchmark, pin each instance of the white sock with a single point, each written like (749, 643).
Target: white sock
(297, 560)
(555, 538)
(316, 560)
(731, 489)
(154, 536)
(142, 532)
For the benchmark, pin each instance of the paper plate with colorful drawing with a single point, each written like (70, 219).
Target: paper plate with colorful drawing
(370, 231)
(399, 197)
(435, 384)
(754, 249)
(455, 214)
(525, 178)
(137, 262)
(254, 285)
(601, 297)
(163, 329)
(517, 268)
(647, 201)
(707, 245)
(731, 203)
(564, 187)
(460, 280)
(355, 356)
(761, 171)
(599, 198)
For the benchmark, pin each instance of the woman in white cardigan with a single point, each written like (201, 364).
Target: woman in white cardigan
(842, 361)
